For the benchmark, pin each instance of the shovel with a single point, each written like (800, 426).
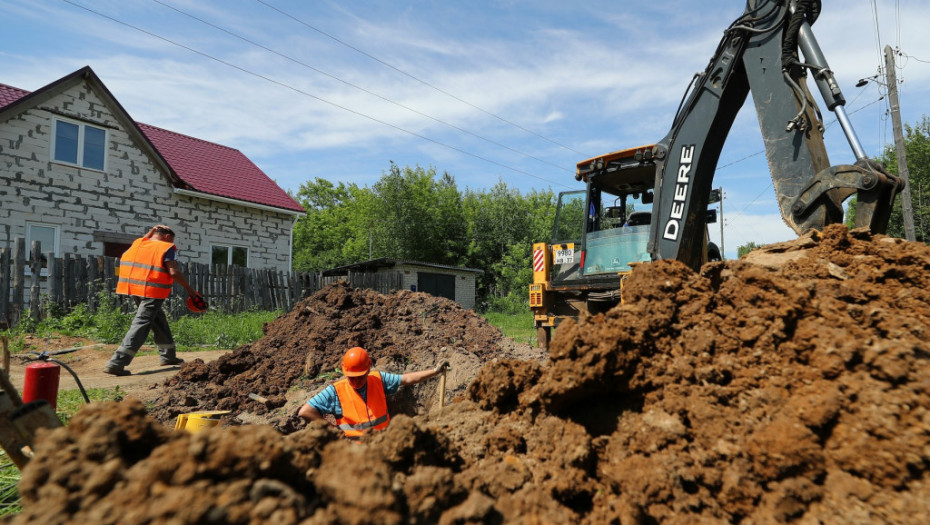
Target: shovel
(442, 388)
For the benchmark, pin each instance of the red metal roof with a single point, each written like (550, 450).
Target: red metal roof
(10, 94)
(204, 166)
(217, 170)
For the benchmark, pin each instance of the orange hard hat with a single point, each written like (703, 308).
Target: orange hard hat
(356, 362)
(197, 304)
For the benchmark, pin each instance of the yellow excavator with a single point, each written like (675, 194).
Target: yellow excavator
(648, 203)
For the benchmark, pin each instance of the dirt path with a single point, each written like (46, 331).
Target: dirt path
(88, 363)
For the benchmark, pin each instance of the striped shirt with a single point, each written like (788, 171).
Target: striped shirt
(327, 401)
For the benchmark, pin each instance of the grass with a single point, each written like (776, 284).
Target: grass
(70, 401)
(220, 330)
(518, 327)
(9, 479)
(108, 325)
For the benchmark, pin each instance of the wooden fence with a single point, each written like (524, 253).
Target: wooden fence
(33, 283)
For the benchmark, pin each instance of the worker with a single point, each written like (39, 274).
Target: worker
(357, 401)
(147, 272)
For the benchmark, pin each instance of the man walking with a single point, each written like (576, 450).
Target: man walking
(358, 401)
(147, 271)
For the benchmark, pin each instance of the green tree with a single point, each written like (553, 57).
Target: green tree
(502, 226)
(336, 229)
(746, 248)
(917, 151)
(418, 216)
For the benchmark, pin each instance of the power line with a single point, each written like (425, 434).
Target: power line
(372, 93)
(897, 23)
(421, 81)
(878, 37)
(912, 57)
(292, 88)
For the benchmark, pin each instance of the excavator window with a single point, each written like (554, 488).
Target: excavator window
(639, 218)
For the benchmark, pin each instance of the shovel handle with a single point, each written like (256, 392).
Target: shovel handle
(442, 389)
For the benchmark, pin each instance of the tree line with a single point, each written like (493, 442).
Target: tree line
(417, 214)
(414, 213)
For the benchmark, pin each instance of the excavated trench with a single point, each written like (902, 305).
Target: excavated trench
(791, 386)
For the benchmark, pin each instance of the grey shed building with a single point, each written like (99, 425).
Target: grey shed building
(386, 274)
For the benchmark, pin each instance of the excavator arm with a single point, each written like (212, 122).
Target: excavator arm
(759, 54)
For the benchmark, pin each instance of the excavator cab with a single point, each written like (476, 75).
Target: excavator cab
(619, 202)
(599, 234)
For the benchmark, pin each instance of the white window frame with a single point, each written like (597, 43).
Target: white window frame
(29, 239)
(248, 252)
(80, 143)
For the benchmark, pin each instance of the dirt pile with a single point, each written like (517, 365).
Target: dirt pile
(791, 387)
(301, 352)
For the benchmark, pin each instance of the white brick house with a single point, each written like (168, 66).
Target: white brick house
(84, 178)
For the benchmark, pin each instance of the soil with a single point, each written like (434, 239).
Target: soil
(790, 386)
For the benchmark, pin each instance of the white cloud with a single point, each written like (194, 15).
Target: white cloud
(745, 229)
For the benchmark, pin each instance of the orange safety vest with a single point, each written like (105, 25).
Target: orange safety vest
(142, 270)
(358, 416)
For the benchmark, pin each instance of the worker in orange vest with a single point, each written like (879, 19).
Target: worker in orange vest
(358, 401)
(147, 272)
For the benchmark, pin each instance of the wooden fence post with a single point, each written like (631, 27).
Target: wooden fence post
(228, 274)
(80, 279)
(92, 283)
(109, 277)
(35, 266)
(19, 277)
(5, 288)
(68, 279)
(53, 280)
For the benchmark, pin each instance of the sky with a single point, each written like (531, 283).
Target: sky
(513, 91)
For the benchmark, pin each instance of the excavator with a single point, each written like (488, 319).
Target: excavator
(651, 202)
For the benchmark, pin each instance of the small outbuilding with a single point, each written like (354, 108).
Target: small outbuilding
(386, 274)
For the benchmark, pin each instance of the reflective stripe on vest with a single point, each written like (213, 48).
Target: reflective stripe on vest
(142, 271)
(357, 415)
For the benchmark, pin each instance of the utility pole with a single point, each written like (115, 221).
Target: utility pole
(722, 251)
(906, 206)
(716, 196)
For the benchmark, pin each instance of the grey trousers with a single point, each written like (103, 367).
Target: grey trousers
(149, 316)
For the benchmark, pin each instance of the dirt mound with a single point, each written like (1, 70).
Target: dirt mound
(301, 351)
(790, 387)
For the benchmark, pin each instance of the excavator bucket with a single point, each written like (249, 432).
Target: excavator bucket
(875, 191)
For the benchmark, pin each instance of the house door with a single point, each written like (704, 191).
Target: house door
(438, 284)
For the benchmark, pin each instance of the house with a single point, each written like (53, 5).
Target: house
(451, 282)
(81, 176)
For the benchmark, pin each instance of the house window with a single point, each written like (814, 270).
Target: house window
(47, 234)
(79, 144)
(228, 255)
(115, 249)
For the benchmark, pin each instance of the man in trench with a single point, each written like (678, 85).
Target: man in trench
(358, 401)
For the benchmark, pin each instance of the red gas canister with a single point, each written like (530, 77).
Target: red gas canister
(41, 382)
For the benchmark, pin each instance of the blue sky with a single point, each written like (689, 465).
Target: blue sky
(518, 91)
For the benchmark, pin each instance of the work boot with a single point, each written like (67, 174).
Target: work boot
(168, 361)
(116, 371)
